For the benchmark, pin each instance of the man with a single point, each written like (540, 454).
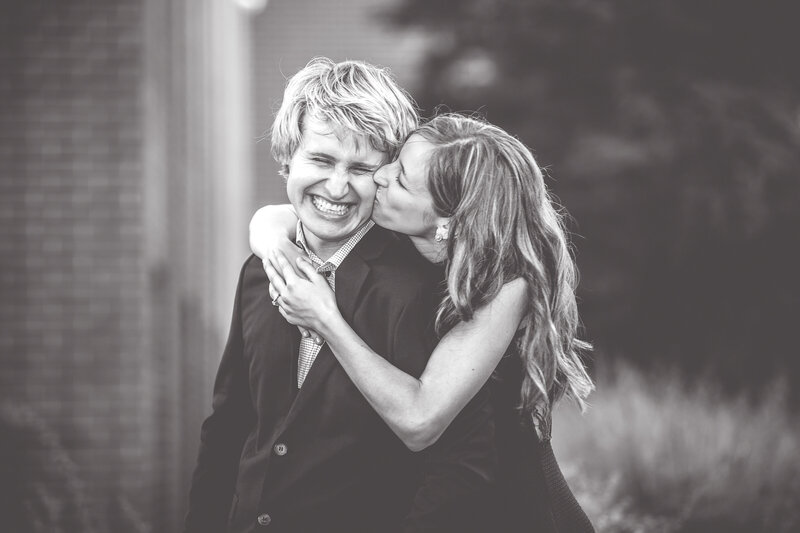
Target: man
(291, 444)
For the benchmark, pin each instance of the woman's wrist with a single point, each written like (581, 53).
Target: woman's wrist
(329, 322)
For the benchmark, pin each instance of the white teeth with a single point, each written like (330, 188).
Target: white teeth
(328, 207)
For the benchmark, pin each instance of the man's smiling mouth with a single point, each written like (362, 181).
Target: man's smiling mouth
(330, 208)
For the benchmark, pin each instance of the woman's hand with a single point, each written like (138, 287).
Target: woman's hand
(304, 300)
(273, 227)
(288, 250)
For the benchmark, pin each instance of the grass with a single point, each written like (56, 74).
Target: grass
(654, 454)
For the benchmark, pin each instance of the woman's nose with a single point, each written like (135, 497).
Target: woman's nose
(380, 176)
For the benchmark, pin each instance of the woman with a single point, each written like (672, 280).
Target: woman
(471, 196)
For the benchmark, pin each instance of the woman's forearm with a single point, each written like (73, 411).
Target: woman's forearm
(397, 397)
(270, 228)
(419, 410)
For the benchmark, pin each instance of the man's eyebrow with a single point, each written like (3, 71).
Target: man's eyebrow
(363, 164)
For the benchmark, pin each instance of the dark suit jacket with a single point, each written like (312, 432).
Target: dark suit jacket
(320, 459)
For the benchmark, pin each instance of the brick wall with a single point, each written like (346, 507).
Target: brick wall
(71, 283)
(127, 142)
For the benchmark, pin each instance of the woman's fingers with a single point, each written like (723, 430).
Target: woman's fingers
(273, 292)
(275, 280)
(307, 269)
(306, 332)
(273, 263)
(284, 315)
(291, 253)
(284, 267)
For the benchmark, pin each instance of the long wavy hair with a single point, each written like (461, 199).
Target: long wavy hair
(504, 225)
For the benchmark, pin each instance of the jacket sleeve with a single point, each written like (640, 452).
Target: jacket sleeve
(222, 436)
(458, 471)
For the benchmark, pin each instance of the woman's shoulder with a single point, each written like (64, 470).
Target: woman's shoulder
(512, 298)
(517, 286)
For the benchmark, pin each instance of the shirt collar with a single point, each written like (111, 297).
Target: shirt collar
(336, 259)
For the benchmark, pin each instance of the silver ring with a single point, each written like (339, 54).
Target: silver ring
(275, 300)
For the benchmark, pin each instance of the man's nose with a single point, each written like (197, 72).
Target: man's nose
(338, 184)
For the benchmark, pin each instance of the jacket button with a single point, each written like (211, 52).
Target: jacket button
(264, 519)
(280, 449)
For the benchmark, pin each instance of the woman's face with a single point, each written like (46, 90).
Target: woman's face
(402, 202)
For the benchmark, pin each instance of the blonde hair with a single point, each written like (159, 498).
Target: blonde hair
(360, 98)
(505, 225)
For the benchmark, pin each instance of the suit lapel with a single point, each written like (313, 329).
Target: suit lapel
(354, 272)
(280, 337)
(350, 278)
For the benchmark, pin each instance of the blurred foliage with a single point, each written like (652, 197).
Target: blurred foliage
(40, 489)
(654, 454)
(671, 132)
(43, 490)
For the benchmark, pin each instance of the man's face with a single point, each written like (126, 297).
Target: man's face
(330, 182)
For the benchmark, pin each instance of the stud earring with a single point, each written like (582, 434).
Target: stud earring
(442, 233)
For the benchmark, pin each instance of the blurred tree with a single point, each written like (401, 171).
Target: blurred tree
(672, 131)
(40, 490)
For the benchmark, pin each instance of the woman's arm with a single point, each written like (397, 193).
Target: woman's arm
(274, 227)
(417, 410)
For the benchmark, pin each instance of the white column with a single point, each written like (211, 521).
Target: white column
(198, 151)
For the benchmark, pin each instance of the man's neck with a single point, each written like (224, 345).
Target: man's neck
(322, 249)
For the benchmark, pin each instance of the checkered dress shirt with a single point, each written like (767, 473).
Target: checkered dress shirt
(308, 348)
